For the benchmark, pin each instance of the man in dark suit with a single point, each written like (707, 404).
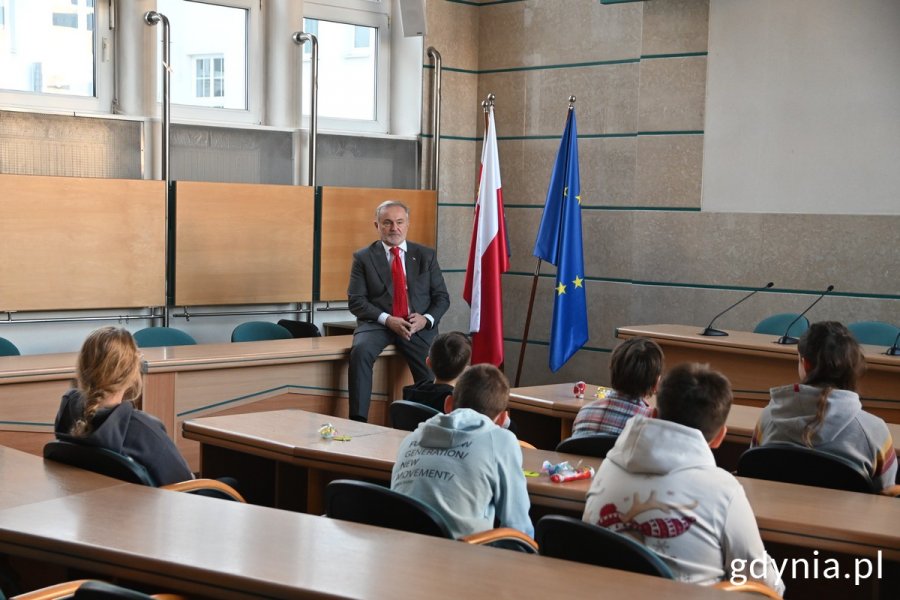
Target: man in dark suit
(384, 317)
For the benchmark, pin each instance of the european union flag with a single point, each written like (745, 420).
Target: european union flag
(559, 243)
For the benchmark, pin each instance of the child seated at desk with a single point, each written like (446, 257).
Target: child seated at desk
(823, 411)
(462, 464)
(660, 484)
(634, 368)
(447, 358)
(100, 411)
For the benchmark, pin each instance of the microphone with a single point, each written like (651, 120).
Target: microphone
(718, 332)
(894, 350)
(786, 339)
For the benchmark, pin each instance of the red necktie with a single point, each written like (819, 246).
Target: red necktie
(401, 306)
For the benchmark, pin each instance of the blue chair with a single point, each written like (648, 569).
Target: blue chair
(572, 539)
(7, 348)
(152, 337)
(874, 333)
(257, 331)
(776, 324)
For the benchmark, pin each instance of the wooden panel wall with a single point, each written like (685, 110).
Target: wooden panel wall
(243, 243)
(76, 243)
(348, 224)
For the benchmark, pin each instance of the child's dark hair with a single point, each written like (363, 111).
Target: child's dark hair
(635, 366)
(696, 396)
(483, 388)
(836, 362)
(450, 354)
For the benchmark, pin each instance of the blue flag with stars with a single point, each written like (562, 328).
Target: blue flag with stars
(559, 243)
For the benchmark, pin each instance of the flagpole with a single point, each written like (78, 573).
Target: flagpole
(534, 281)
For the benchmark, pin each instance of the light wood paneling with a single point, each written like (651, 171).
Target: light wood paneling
(243, 243)
(348, 224)
(76, 243)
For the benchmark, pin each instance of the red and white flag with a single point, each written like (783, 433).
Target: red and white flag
(488, 258)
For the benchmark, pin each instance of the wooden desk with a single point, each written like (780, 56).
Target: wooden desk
(25, 478)
(800, 515)
(186, 381)
(217, 549)
(339, 328)
(754, 363)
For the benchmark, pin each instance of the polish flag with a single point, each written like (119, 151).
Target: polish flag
(488, 258)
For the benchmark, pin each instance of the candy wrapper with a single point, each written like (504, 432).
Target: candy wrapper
(579, 390)
(329, 432)
(564, 472)
(602, 392)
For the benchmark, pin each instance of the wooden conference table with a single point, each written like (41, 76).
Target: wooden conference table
(189, 544)
(548, 411)
(754, 363)
(187, 381)
(277, 455)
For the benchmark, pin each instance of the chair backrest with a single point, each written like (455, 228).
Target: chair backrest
(805, 466)
(571, 539)
(363, 502)
(875, 333)
(406, 414)
(255, 331)
(7, 348)
(300, 329)
(596, 444)
(776, 325)
(99, 460)
(152, 337)
(100, 590)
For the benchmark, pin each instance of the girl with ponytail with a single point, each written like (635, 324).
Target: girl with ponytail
(823, 411)
(101, 410)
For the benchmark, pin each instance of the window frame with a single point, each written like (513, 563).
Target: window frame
(253, 75)
(100, 102)
(368, 14)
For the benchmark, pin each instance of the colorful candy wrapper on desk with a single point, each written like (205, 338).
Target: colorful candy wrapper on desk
(602, 392)
(329, 432)
(563, 472)
(579, 390)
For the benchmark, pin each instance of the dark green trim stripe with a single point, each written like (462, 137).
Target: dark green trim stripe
(492, 2)
(547, 343)
(685, 132)
(26, 423)
(581, 136)
(577, 65)
(609, 207)
(466, 204)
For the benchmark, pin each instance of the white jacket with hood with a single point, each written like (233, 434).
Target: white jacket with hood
(468, 469)
(660, 485)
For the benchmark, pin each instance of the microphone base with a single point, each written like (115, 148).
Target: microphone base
(786, 340)
(713, 332)
(893, 351)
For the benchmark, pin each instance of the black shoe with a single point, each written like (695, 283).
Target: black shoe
(359, 418)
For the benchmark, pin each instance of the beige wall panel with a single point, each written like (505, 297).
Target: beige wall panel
(461, 113)
(585, 365)
(348, 224)
(675, 26)
(460, 160)
(530, 33)
(457, 316)
(672, 94)
(668, 170)
(76, 243)
(243, 243)
(455, 235)
(453, 31)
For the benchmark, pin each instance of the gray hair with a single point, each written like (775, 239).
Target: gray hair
(388, 204)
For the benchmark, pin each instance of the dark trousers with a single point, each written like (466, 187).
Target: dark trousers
(367, 345)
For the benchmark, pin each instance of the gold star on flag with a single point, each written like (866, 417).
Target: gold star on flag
(578, 281)
(578, 197)
(560, 289)
(565, 191)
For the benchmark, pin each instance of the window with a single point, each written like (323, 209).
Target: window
(210, 53)
(354, 63)
(47, 48)
(210, 76)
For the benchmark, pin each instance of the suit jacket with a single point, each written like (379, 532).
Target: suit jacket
(371, 289)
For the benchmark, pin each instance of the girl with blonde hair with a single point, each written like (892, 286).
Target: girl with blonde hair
(101, 410)
(823, 411)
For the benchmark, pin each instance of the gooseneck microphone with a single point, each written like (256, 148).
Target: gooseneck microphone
(894, 350)
(786, 339)
(718, 332)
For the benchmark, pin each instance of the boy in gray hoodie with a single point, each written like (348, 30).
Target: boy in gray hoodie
(462, 464)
